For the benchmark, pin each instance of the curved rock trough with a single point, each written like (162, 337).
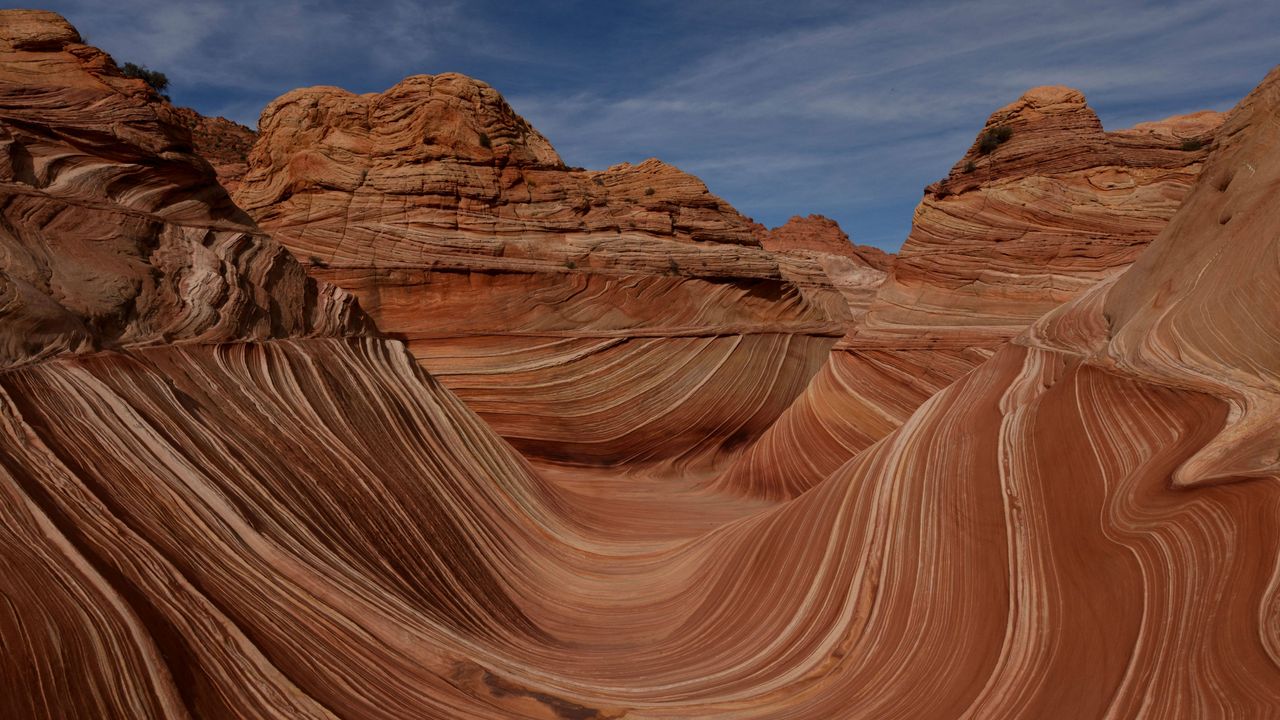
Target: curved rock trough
(425, 424)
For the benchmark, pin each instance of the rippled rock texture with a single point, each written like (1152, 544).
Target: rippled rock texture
(113, 231)
(1041, 216)
(1044, 205)
(598, 318)
(296, 520)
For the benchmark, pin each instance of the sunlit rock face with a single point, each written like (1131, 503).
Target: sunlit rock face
(817, 242)
(289, 518)
(1043, 206)
(597, 318)
(1026, 223)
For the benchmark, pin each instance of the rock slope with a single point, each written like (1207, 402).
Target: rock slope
(1012, 233)
(306, 524)
(1024, 222)
(598, 318)
(114, 233)
(224, 143)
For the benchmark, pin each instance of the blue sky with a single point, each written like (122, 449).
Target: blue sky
(842, 108)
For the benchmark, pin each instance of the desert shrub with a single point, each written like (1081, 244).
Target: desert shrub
(156, 79)
(317, 262)
(970, 167)
(994, 138)
(648, 191)
(1192, 144)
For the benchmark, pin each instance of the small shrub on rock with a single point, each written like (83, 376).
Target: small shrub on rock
(156, 79)
(994, 138)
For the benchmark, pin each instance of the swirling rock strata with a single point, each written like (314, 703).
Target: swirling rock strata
(114, 233)
(1023, 223)
(600, 318)
(1016, 230)
(314, 527)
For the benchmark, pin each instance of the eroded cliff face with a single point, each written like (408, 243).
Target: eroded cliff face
(114, 231)
(1043, 206)
(599, 318)
(290, 521)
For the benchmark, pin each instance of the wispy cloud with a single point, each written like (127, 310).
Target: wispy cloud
(848, 109)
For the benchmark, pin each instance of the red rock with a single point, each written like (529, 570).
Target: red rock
(224, 143)
(1007, 236)
(590, 317)
(115, 233)
(821, 234)
(304, 523)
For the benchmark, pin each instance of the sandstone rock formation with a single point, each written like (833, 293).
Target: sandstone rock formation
(818, 233)
(1024, 222)
(816, 243)
(114, 233)
(599, 318)
(1014, 232)
(224, 143)
(286, 519)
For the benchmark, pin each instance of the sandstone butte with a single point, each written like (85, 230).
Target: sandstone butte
(599, 319)
(1009, 234)
(225, 493)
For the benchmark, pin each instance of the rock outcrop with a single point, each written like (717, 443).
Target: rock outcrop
(1043, 206)
(816, 244)
(224, 143)
(598, 318)
(818, 233)
(1019, 229)
(114, 232)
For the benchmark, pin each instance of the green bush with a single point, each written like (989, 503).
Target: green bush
(994, 138)
(156, 79)
(970, 167)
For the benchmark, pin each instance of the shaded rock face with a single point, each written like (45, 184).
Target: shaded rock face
(599, 318)
(224, 143)
(114, 233)
(1032, 216)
